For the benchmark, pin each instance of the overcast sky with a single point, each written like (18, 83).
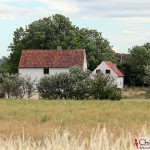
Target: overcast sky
(125, 23)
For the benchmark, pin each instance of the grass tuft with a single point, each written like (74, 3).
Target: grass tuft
(100, 139)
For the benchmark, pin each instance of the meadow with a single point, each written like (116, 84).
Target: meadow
(37, 117)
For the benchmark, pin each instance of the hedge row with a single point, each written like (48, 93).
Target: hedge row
(76, 84)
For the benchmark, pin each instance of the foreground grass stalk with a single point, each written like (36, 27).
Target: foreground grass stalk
(101, 139)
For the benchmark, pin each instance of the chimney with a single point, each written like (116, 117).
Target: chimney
(59, 47)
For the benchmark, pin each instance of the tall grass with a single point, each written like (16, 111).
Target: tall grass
(100, 139)
(38, 116)
(134, 92)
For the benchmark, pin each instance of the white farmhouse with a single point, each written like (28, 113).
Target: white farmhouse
(108, 68)
(37, 63)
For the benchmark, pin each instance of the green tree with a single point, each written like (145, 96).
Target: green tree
(147, 80)
(57, 30)
(138, 58)
(5, 67)
(147, 75)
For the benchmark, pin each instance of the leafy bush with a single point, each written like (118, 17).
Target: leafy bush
(29, 86)
(80, 83)
(113, 93)
(8, 85)
(15, 85)
(2, 94)
(103, 88)
(54, 86)
(72, 85)
(77, 84)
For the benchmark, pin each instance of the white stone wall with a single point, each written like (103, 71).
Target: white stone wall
(103, 68)
(37, 73)
(85, 62)
(119, 81)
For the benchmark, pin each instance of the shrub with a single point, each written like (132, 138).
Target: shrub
(7, 84)
(114, 93)
(2, 94)
(54, 86)
(29, 86)
(15, 85)
(80, 83)
(72, 85)
(103, 88)
(77, 84)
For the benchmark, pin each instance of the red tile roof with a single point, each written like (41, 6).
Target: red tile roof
(114, 68)
(51, 58)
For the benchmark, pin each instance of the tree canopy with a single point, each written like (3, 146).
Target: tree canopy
(134, 65)
(57, 30)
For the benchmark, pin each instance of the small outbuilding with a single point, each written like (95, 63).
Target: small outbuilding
(109, 68)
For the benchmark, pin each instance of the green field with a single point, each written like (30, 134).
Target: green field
(35, 117)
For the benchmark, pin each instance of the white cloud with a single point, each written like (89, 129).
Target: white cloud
(84, 9)
(134, 29)
(15, 0)
(99, 9)
(6, 12)
(66, 7)
(11, 13)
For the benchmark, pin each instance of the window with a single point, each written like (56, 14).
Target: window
(107, 71)
(98, 71)
(46, 70)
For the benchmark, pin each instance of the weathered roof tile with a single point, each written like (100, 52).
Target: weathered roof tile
(114, 68)
(51, 58)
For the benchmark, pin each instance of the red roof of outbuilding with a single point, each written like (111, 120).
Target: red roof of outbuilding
(51, 58)
(114, 68)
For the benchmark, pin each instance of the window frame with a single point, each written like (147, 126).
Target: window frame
(98, 71)
(45, 70)
(107, 71)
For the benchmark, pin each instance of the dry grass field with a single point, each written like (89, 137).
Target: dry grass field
(134, 93)
(70, 124)
(37, 117)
